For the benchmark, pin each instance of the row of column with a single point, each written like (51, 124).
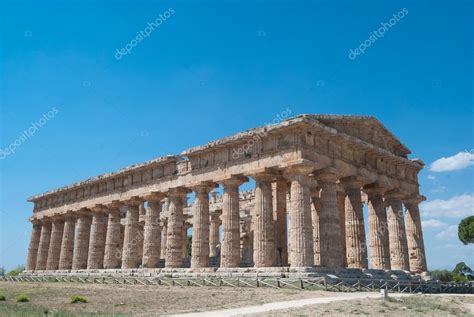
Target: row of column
(319, 231)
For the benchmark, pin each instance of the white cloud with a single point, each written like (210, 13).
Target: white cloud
(449, 233)
(432, 223)
(457, 206)
(453, 163)
(431, 177)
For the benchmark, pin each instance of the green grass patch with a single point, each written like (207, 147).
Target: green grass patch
(2, 298)
(22, 298)
(78, 299)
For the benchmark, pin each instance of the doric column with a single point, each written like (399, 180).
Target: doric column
(378, 230)
(416, 246)
(43, 247)
(152, 231)
(67, 245)
(200, 245)
(130, 239)
(230, 245)
(341, 206)
(186, 226)
(174, 244)
(214, 235)
(315, 210)
(280, 189)
(113, 252)
(396, 232)
(81, 245)
(329, 222)
(55, 242)
(164, 238)
(34, 244)
(264, 254)
(300, 234)
(98, 236)
(356, 245)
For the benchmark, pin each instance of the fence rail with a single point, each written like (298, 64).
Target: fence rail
(320, 283)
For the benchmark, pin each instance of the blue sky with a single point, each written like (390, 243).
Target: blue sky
(214, 69)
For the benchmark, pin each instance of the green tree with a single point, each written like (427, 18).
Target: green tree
(462, 268)
(466, 230)
(16, 271)
(2, 271)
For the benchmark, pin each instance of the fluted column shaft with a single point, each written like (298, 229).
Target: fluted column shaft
(263, 226)
(43, 247)
(97, 241)
(174, 244)
(213, 235)
(397, 236)
(416, 246)
(55, 243)
(300, 234)
(378, 232)
(130, 239)
(200, 245)
(279, 216)
(67, 245)
(164, 239)
(330, 227)
(152, 233)
(113, 252)
(81, 245)
(33, 246)
(315, 210)
(356, 245)
(230, 245)
(341, 206)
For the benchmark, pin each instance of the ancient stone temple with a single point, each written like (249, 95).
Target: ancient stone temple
(313, 174)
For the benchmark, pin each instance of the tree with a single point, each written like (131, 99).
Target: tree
(2, 271)
(466, 230)
(16, 271)
(462, 268)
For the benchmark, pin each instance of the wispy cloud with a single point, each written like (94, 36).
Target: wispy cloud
(450, 232)
(431, 177)
(453, 163)
(457, 206)
(433, 223)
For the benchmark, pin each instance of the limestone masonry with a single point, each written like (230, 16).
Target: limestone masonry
(313, 173)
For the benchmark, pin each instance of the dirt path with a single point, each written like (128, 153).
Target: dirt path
(285, 305)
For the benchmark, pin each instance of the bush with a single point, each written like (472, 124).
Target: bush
(16, 271)
(22, 298)
(2, 298)
(78, 299)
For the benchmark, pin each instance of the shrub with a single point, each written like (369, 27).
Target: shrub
(22, 298)
(16, 271)
(78, 299)
(2, 298)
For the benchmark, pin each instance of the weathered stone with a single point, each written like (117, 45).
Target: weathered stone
(416, 246)
(55, 243)
(152, 232)
(200, 245)
(81, 245)
(279, 189)
(397, 235)
(174, 244)
(67, 245)
(131, 235)
(43, 247)
(33, 246)
(98, 238)
(214, 235)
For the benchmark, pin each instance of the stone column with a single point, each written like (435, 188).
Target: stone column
(130, 239)
(330, 227)
(43, 247)
(174, 244)
(55, 243)
(200, 246)
(230, 245)
(113, 252)
(81, 245)
(264, 254)
(98, 237)
(214, 235)
(356, 245)
(164, 238)
(34, 244)
(300, 233)
(341, 206)
(416, 246)
(152, 231)
(396, 232)
(315, 210)
(378, 230)
(186, 226)
(67, 245)
(279, 216)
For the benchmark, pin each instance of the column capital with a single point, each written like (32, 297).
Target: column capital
(233, 181)
(374, 189)
(414, 199)
(99, 208)
(133, 202)
(394, 194)
(34, 221)
(352, 182)
(315, 192)
(46, 220)
(70, 215)
(325, 175)
(114, 204)
(203, 187)
(154, 197)
(177, 192)
(57, 218)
